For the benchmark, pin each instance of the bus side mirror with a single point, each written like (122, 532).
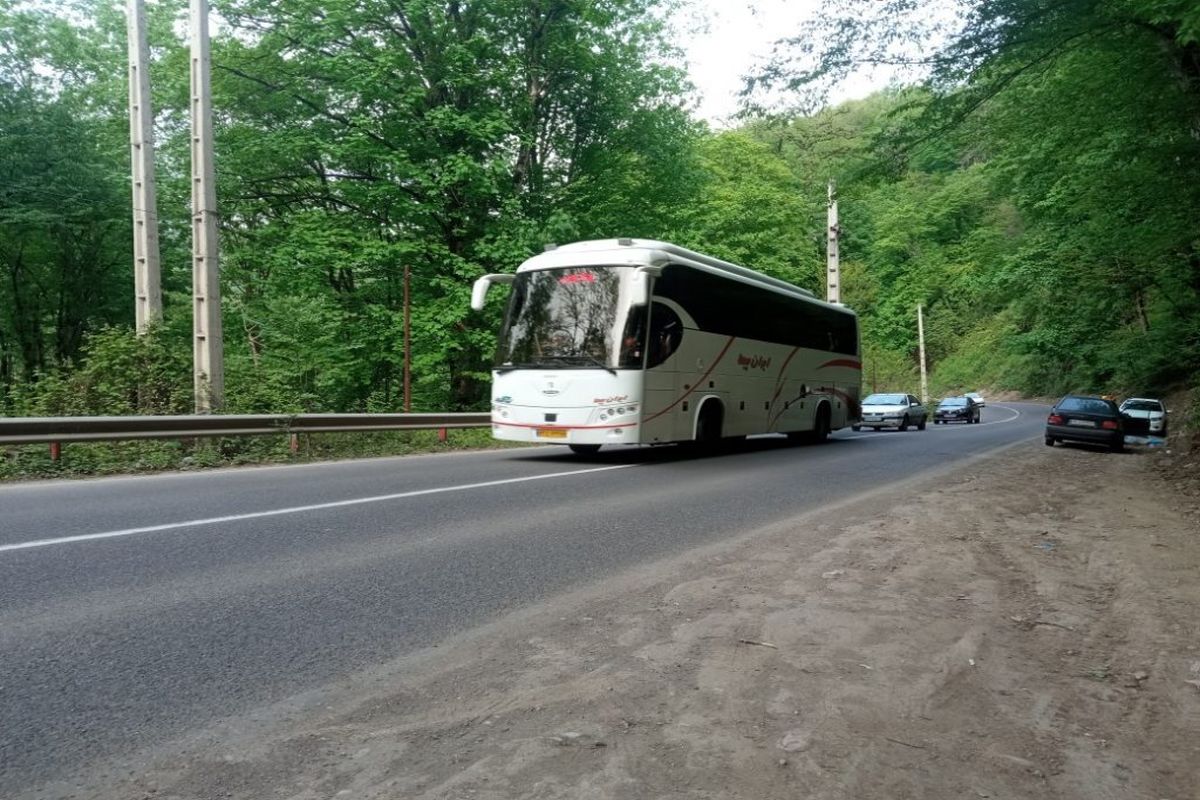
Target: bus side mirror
(480, 289)
(639, 292)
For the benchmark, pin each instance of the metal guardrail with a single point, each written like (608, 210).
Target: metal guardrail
(53, 430)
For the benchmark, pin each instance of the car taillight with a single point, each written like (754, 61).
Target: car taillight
(1055, 419)
(1109, 424)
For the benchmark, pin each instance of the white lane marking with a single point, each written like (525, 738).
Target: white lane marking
(299, 509)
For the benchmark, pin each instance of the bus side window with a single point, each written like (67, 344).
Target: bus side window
(666, 331)
(633, 341)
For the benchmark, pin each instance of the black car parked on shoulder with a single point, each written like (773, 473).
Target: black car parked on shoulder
(956, 409)
(1078, 418)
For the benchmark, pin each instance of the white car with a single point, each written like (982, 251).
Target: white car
(977, 397)
(891, 411)
(1148, 412)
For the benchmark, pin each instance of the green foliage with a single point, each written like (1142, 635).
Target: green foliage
(63, 198)
(120, 374)
(451, 138)
(750, 210)
(1038, 196)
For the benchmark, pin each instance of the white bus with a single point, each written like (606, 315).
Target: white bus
(633, 341)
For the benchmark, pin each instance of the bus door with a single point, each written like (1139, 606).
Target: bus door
(665, 420)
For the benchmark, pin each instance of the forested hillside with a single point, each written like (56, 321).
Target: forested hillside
(1038, 191)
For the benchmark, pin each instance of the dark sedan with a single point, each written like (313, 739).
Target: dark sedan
(1094, 420)
(956, 409)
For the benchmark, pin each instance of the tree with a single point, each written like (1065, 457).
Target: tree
(454, 137)
(1082, 116)
(63, 200)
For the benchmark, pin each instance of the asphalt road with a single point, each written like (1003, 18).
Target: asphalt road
(135, 610)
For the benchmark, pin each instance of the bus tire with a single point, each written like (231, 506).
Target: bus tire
(708, 425)
(820, 431)
(584, 449)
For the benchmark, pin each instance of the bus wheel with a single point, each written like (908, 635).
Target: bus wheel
(584, 449)
(820, 431)
(708, 427)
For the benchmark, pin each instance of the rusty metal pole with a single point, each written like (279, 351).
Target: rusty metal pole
(407, 345)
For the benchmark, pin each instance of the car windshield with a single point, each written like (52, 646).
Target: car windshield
(1142, 405)
(953, 402)
(1087, 405)
(575, 317)
(886, 400)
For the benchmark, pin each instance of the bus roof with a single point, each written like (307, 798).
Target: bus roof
(651, 252)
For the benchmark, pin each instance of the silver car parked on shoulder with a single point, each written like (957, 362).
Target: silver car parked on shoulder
(1145, 415)
(892, 411)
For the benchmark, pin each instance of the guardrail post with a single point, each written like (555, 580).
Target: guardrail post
(442, 434)
(294, 443)
(55, 451)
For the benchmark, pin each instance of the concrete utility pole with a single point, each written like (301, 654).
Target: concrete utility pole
(147, 281)
(921, 339)
(833, 291)
(208, 366)
(407, 345)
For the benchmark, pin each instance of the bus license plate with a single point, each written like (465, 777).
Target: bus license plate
(551, 433)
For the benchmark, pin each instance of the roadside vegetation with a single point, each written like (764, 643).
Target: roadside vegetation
(1036, 189)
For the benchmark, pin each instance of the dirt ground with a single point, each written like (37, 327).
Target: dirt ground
(1026, 628)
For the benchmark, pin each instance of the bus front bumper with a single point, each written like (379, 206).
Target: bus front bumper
(625, 432)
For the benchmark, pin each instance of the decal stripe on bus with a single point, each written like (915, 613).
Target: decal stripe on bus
(842, 362)
(779, 381)
(696, 385)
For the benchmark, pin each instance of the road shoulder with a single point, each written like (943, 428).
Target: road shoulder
(1025, 628)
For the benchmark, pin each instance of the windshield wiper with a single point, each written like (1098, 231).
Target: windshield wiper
(547, 361)
(510, 366)
(589, 359)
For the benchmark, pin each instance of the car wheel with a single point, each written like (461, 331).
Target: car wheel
(1117, 447)
(1049, 441)
(921, 424)
(856, 428)
(584, 449)
(903, 426)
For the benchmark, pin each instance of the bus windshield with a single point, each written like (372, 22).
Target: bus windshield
(574, 317)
